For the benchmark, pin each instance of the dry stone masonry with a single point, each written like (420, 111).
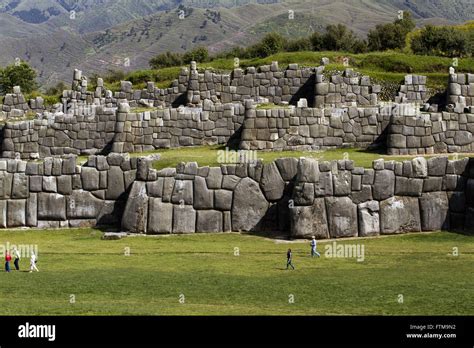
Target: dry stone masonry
(304, 197)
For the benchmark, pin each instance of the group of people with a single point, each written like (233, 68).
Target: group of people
(16, 262)
(289, 254)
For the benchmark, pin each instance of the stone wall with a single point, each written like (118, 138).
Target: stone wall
(59, 134)
(313, 128)
(345, 90)
(413, 90)
(171, 127)
(430, 133)
(461, 90)
(304, 197)
(58, 193)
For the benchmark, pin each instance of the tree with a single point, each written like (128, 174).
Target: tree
(303, 44)
(442, 41)
(391, 35)
(338, 38)
(198, 54)
(166, 60)
(17, 75)
(270, 44)
(316, 41)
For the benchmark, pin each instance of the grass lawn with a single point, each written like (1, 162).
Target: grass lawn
(208, 156)
(214, 281)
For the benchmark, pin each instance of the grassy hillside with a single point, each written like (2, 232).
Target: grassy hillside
(204, 268)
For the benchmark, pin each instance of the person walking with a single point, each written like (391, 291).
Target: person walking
(289, 259)
(16, 254)
(33, 263)
(313, 247)
(8, 258)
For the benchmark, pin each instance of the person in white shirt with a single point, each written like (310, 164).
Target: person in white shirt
(16, 254)
(313, 247)
(33, 263)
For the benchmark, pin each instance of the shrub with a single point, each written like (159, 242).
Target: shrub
(166, 60)
(441, 41)
(17, 75)
(198, 54)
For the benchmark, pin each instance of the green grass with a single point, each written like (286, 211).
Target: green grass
(208, 156)
(203, 268)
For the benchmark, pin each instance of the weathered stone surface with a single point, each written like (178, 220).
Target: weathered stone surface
(399, 215)
(16, 212)
(182, 192)
(308, 221)
(303, 194)
(420, 167)
(209, 221)
(203, 197)
(160, 216)
(135, 215)
(64, 184)
(32, 210)
(3, 213)
(342, 183)
(288, 167)
(384, 184)
(324, 186)
(113, 235)
(369, 220)
(271, 182)
(214, 178)
(51, 206)
(115, 183)
(437, 165)
(408, 186)
(184, 219)
(83, 205)
(308, 170)
(90, 178)
(434, 208)
(223, 199)
(20, 185)
(6, 180)
(248, 207)
(342, 217)
(365, 194)
(50, 184)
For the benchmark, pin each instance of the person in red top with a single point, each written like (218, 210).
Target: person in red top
(8, 258)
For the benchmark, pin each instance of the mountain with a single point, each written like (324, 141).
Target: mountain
(55, 36)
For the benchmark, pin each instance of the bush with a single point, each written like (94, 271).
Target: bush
(271, 43)
(303, 44)
(339, 38)
(440, 41)
(166, 60)
(17, 75)
(391, 35)
(199, 55)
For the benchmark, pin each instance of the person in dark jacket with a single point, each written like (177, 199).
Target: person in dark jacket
(289, 259)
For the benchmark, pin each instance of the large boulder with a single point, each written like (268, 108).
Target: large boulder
(51, 206)
(342, 183)
(308, 221)
(342, 216)
(83, 205)
(135, 215)
(16, 216)
(209, 221)
(249, 206)
(399, 215)
(115, 183)
(272, 182)
(288, 167)
(308, 170)
(203, 197)
(384, 184)
(369, 219)
(160, 216)
(434, 207)
(184, 219)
